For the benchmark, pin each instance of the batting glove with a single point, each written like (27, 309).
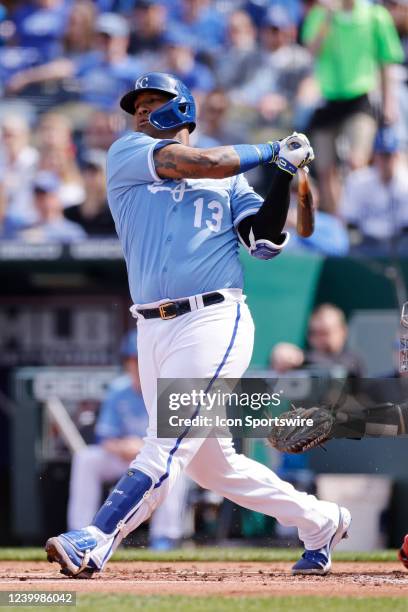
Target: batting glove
(295, 152)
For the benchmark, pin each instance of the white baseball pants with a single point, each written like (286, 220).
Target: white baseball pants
(214, 341)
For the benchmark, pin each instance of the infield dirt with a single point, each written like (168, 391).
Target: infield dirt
(213, 578)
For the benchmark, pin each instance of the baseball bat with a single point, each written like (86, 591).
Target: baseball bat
(305, 206)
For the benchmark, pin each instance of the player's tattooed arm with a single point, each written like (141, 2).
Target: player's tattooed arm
(178, 161)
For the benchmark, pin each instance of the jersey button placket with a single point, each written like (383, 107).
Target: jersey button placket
(168, 241)
(170, 224)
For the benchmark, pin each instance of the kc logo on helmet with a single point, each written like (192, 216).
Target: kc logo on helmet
(142, 82)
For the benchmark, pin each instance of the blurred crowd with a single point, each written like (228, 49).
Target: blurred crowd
(335, 69)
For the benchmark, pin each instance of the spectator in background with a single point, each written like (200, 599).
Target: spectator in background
(399, 13)
(58, 155)
(39, 26)
(327, 337)
(201, 21)
(100, 76)
(18, 161)
(282, 74)
(375, 198)
(79, 32)
(120, 428)
(51, 227)
(13, 61)
(179, 59)
(93, 214)
(215, 127)
(46, 85)
(148, 28)
(54, 130)
(330, 235)
(102, 129)
(351, 44)
(236, 64)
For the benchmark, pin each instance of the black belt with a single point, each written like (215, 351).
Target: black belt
(169, 310)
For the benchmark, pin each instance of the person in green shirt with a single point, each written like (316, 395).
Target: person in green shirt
(354, 43)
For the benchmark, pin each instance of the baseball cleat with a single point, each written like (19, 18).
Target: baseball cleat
(318, 562)
(72, 550)
(403, 552)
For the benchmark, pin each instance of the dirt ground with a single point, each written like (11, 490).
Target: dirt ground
(209, 578)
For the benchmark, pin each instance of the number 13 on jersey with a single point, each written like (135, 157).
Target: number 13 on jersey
(214, 223)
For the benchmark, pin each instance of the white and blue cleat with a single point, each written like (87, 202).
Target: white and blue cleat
(72, 550)
(81, 553)
(318, 562)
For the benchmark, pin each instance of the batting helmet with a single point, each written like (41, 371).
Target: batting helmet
(178, 111)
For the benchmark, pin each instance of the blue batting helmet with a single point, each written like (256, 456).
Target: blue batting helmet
(178, 111)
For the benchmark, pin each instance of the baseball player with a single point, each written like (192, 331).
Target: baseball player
(181, 213)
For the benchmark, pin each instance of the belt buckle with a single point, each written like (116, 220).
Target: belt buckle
(162, 311)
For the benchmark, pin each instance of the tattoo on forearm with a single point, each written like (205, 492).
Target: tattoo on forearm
(186, 162)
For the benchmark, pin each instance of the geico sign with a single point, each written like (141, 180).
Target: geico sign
(71, 384)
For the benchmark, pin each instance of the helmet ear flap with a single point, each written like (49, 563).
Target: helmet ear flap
(175, 113)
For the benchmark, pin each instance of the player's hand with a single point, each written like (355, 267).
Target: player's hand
(295, 152)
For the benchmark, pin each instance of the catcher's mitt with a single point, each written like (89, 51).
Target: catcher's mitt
(295, 436)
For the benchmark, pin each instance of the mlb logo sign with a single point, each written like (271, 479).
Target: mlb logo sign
(403, 354)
